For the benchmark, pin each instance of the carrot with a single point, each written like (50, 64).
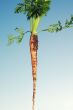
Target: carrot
(33, 52)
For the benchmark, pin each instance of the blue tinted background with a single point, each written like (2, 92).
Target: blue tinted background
(55, 61)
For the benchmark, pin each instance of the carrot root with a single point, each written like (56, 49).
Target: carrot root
(33, 52)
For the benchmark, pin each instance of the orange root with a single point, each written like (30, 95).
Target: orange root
(33, 52)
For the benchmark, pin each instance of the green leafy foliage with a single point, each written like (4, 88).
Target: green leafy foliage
(69, 23)
(55, 27)
(58, 26)
(33, 8)
(20, 8)
(18, 38)
(11, 39)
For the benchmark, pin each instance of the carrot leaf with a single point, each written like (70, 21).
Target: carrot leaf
(18, 38)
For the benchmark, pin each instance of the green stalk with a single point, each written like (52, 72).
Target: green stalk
(35, 24)
(31, 23)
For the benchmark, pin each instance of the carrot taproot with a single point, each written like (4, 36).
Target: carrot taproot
(33, 52)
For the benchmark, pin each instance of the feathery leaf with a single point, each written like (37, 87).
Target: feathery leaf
(18, 39)
(33, 8)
